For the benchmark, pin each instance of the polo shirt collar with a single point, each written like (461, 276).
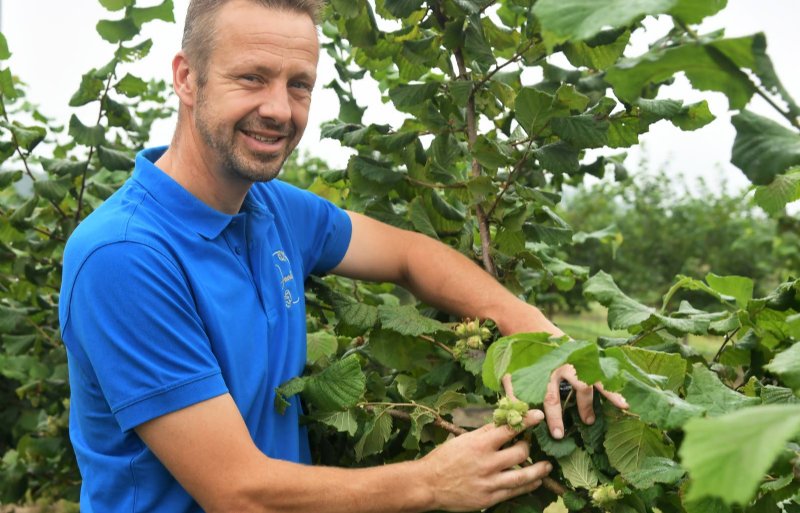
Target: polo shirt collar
(203, 219)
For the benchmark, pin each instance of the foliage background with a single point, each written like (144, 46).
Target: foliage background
(480, 163)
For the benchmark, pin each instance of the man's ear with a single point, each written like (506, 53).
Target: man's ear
(184, 80)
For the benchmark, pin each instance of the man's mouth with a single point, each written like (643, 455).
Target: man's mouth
(264, 138)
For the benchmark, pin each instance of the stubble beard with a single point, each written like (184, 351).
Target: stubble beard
(239, 162)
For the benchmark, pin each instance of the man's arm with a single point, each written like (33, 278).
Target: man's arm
(209, 451)
(446, 279)
(437, 275)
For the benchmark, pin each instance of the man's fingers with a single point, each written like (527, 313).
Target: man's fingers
(511, 456)
(523, 477)
(584, 395)
(501, 435)
(552, 407)
(615, 398)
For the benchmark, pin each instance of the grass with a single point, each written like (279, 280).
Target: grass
(592, 324)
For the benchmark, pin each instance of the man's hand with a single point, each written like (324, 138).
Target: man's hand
(584, 397)
(475, 470)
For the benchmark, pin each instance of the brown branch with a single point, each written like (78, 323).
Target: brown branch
(511, 176)
(439, 344)
(728, 338)
(515, 58)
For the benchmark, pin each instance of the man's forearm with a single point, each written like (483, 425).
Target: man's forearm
(446, 279)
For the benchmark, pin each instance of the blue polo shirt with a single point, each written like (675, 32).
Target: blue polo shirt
(166, 302)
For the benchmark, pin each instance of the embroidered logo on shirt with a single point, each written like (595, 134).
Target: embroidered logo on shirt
(284, 267)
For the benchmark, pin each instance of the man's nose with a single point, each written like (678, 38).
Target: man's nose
(276, 104)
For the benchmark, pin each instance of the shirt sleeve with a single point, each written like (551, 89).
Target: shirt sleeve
(321, 229)
(133, 321)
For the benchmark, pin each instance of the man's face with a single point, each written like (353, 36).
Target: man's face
(253, 109)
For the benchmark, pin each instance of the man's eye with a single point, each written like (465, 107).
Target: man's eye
(251, 78)
(302, 85)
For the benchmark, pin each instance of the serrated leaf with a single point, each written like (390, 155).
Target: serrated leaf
(706, 66)
(599, 52)
(131, 86)
(737, 287)
(530, 383)
(89, 91)
(401, 352)
(581, 19)
(448, 401)
(783, 190)
(116, 31)
(660, 407)
(578, 470)
(728, 456)
(136, 52)
(412, 95)
(694, 116)
(116, 5)
(5, 54)
(376, 434)
(655, 470)
(53, 190)
(162, 11)
(534, 109)
(507, 354)
(551, 446)
(291, 388)
(407, 320)
(582, 131)
(402, 8)
(623, 312)
(708, 391)
(63, 167)
(337, 387)
(342, 421)
(629, 442)
(114, 160)
(669, 365)
(778, 395)
(10, 318)
(88, 136)
(559, 157)
(786, 364)
(419, 418)
(320, 344)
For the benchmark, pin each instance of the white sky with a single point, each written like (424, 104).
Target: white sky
(54, 41)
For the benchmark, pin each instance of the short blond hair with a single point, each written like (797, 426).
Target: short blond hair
(199, 29)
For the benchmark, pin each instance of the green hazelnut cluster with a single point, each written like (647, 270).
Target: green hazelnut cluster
(510, 412)
(605, 495)
(471, 336)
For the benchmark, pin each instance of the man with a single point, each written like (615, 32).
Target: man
(182, 303)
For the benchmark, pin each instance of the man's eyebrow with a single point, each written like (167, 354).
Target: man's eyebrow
(269, 71)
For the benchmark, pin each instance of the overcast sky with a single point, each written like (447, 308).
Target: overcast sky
(54, 41)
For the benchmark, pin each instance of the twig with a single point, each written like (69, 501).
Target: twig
(513, 59)
(439, 344)
(728, 338)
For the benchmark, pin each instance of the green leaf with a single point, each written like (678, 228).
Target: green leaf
(623, 312)
(507, 354)
(131, 86)
(291, 388)
(476, 49)
(376, 434)
(708, 391)
(660, 407)
(448, 401)
(600, 52)
(671, 366)
(116, 31)
(419, 418)
(53, 190)
(491, 154)
(655, 470)
(116, 5)
(162, 11)
(708, 68)
(693, 11)
(87, 136)
(342, 421)
(578, 469)
(582, 131)
(63, 167)
(402, 8)
(763, 149)
(5, 54)
(559, 157)
(783, 190)
(629, 442)
(114, 160)
(694, 116)
(581, 19)
(320, 344)
(10, 318)
(534, 109)
(412, 95)
(346, 8)
(337, 387)
(401, 352)
(728, 456)
(786, 364)
(530, 383)
(737, 287)
(136, 52)
(407, 320)
(551, 446)
(89, 91)
(27, 137)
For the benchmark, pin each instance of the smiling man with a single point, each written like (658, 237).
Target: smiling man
(182, 304)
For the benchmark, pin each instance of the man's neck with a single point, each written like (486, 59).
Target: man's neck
(199, 173)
